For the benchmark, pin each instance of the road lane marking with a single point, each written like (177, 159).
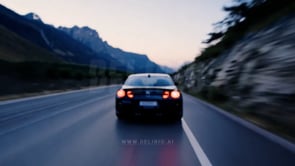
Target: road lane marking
(55, 94)
(252, 127)
(195, 145)
(53, 114)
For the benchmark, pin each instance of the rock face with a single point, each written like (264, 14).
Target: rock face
(257, 73)
(86, 36)
(130, 61)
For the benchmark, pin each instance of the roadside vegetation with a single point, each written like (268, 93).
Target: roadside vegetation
(244, 17)
(19, 79)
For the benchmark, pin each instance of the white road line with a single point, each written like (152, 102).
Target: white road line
(266, 134)
(54, 114)
(195, 145)
(54, 94)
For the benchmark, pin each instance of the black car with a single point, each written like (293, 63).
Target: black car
(149, 95)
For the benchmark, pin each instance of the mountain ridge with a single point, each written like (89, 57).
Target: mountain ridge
(74, 48)
(33, 16)
(91, 38)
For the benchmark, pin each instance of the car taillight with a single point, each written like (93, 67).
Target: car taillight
(121, 93)
(130, 94)
(165, 94)
(175, 94)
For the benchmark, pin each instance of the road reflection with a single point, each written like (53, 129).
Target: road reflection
(153, 142)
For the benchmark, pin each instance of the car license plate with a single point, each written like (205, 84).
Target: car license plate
(148, 103)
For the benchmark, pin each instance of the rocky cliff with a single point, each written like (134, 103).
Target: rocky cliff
(256, 74)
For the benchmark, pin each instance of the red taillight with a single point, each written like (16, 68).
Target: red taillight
(175, 94)
(165, 94)
(130, 94)
(121, 93)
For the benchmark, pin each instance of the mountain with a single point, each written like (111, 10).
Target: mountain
(133, 61)
(91, 38)
(55, 41)
(168, 69)
(33, 16)
(14, 48)
(74, 45)
(86, 36)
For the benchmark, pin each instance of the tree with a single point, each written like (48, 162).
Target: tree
(213, 36)
(236, 14)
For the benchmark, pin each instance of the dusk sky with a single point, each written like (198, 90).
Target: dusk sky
(170, 32)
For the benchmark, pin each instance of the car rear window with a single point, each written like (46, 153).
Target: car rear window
(149, 81)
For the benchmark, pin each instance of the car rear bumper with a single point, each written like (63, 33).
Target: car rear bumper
(168, 108)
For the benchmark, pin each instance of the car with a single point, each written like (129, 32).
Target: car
(149, 95)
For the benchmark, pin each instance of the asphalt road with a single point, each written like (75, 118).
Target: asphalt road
(80, 129)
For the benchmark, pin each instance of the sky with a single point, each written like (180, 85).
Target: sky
(170, 32)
